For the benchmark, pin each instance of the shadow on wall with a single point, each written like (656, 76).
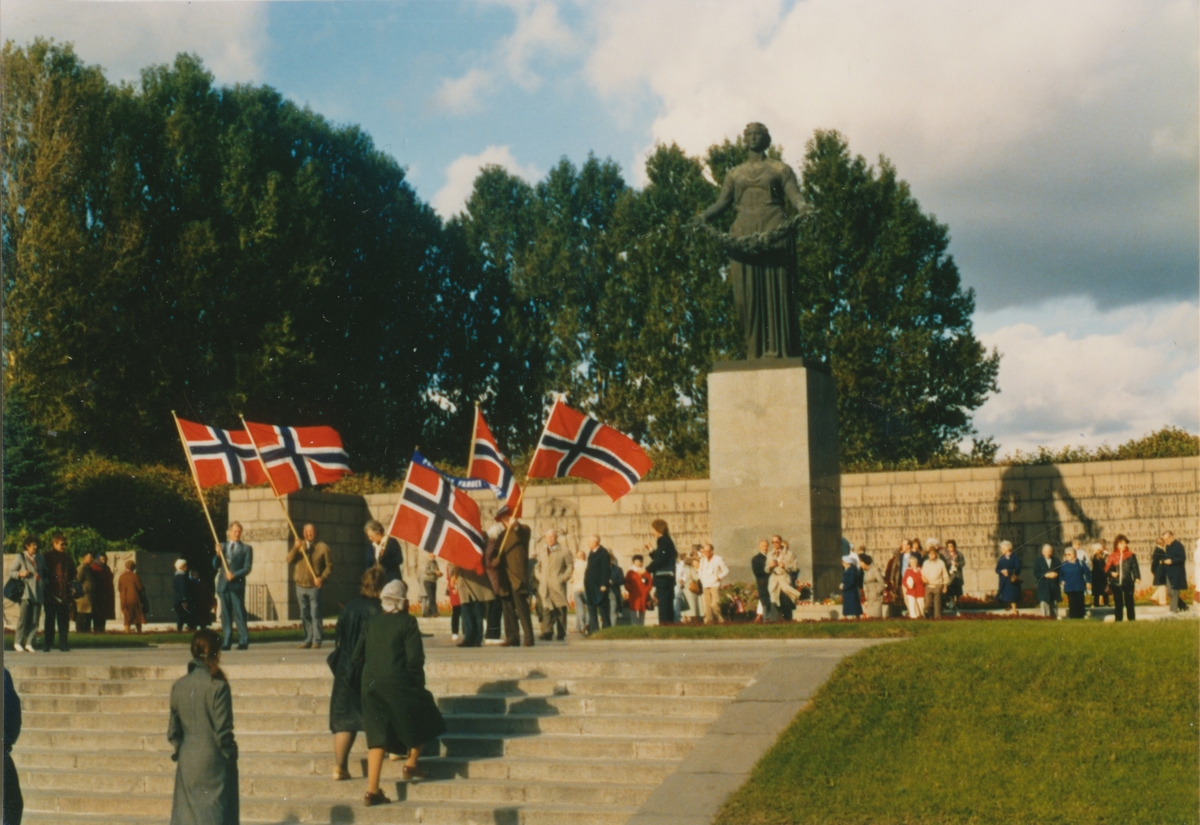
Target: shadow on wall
(1035, 507)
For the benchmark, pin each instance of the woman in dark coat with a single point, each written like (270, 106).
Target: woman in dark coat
(103, 594)
(1074, 582)
(201, 732)
(852, 580)
(345, 702)
(1124, 574)
(399, 714)
(1008, 568)
(662, 567)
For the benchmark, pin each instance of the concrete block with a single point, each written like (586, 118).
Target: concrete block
(853, 480)
(978, 491)
(937, 492)
(1174, 481)
(906, 494)
(877, 496)
(877, 479)
(1098, 468)
(989, 473)
(852, 497)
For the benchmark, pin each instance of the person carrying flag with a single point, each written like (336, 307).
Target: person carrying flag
(508, 552)
(231, 586)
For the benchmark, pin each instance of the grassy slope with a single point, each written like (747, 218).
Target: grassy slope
(996, 722)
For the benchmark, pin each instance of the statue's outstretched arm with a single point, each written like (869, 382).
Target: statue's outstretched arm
(724, 201)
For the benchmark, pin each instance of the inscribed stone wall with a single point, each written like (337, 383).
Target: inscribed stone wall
(977, 507)
(1027, 505)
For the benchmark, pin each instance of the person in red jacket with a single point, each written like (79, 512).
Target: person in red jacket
(638, 585)
(914, 589)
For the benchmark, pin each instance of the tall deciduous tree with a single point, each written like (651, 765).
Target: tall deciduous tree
(884, 306)
(213, 250)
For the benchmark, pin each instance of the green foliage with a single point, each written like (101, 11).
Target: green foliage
(883, 305)
(80, 541)
(1169, 442)
(214, 250)
(153, 505)
(1021, 736)
(30, 494)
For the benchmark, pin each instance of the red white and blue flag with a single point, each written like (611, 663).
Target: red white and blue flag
(489, 465)
(435, 515)
(578, 446)
(299, 457)
(221, 456)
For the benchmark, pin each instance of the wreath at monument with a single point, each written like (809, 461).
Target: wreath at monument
(756, 243)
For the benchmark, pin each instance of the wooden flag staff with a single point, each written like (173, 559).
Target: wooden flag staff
(200, 491)
(521, 493)
(282, 506)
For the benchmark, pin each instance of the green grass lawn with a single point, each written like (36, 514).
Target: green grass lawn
(1006, 722)
(873, 629)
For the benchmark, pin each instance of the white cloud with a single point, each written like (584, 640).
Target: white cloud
(461, 174)
(538, 31)
(1037, 130)
(1110, 377)
(461, 96)
(230, 37)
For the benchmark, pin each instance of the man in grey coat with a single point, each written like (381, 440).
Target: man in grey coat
(231, 586)
(554, 569)
(31, 570)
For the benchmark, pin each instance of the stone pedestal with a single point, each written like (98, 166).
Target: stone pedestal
(773, 465)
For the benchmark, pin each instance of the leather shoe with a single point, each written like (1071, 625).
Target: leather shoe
(305, 646)
(227, 647)
(509, 643)
(243, 647)
(377, 798)
(545, 637)
(527, 643)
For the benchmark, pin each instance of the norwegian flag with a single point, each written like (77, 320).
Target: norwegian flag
(489, 465)
(438, 517)
(579, 446)
(298, 457)
(221, 456)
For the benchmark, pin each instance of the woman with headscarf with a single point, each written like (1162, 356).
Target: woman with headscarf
(399, 714)
(851, 582)
(201, 732)
(1123, 576)
(1099, 576)
(345, 701)
(873, 585)
(1008, 568)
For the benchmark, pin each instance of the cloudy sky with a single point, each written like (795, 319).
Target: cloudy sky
(1057, 140)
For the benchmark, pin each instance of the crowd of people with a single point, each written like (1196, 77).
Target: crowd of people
(54, 585)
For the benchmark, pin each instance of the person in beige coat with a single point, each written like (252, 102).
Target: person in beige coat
(874, 585)
(937, 579)
(554, 567)
(781, 563)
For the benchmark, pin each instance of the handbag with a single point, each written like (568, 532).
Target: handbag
(694, 587)
(14, 589)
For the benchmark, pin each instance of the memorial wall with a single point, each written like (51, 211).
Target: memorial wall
(1028, 505)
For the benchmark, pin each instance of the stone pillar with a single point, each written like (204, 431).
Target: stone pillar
(773, 465)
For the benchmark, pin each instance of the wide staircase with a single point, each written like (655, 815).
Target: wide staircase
(529, 742)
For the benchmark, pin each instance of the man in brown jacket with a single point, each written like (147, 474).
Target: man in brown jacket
(510, 563)
(308, 588)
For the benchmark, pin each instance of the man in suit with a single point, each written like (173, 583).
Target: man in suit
(308, 587)
(508, 552)
(383, 551)
(60, 572)
(231, 586)
(597, 578)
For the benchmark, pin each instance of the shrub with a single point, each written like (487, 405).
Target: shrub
(80, 540)
(156, 504)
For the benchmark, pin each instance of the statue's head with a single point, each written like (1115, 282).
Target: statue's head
(757, 137)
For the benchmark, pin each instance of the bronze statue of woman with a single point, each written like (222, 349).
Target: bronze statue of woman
(762, 247)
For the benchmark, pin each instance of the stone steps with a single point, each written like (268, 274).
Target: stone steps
(541, 742)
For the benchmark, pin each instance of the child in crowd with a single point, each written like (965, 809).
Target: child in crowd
(914, 589)
(637, 587)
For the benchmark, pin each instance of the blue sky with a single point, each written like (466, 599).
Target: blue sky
(1058, 141)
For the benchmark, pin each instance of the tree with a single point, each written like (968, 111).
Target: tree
(212, 250)
(886, 310)
(31, 499)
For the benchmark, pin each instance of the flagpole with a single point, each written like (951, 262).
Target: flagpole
(200, 490)
(521, 493)
(282, 506)
(471, 448)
